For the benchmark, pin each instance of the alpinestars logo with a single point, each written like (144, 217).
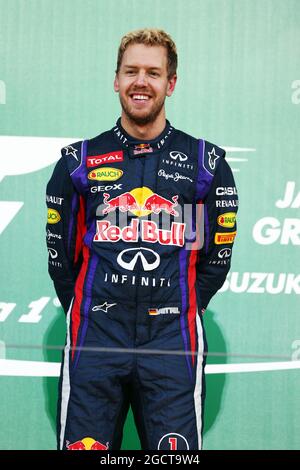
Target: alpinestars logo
(104, 307)
(212, 159)
(71, 151)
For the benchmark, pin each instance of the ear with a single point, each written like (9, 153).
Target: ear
(171, 85)
(116, 83)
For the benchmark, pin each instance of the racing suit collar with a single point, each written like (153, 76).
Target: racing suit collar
(142, 147)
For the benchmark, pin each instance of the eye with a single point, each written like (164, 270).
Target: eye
(154, 74)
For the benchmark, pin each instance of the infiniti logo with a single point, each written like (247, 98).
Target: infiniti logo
(178, 155)
(225, 253)
(53, 253)
(127, 259)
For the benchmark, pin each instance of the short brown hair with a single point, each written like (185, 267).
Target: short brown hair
(150, 37)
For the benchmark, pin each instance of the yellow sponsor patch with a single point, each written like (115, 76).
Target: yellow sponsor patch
(227, 220)
(224, 238)
(53, 216)
(105, 174)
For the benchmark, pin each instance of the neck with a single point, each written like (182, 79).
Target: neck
(145, 132)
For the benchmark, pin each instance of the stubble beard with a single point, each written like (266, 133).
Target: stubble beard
(142, 120)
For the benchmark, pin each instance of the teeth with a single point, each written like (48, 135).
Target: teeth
(140, 97)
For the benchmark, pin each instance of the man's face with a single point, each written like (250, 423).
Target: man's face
(142, 82)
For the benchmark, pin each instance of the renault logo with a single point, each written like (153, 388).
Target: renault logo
(128, 259)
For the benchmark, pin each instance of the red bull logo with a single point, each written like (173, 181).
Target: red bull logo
(141, 201)
(87, 443)
(125, 202)
(157, 203)
(142, 148)
(106, 232)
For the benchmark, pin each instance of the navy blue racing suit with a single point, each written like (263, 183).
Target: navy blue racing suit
(140, 237)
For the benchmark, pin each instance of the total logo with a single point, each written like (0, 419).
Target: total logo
(269, 230)
(140, 202)
(87, 443)
(105, 174)
(111, 157)
(53, 216)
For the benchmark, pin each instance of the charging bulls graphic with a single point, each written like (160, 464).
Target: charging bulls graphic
(140, 201)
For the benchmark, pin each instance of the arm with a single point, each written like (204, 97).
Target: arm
(63, 234)
(220, 207)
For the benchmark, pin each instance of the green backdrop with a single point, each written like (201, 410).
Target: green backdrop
(238, 86)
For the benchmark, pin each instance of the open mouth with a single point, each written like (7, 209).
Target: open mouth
(140, 98)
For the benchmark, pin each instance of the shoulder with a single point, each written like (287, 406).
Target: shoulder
(75, 153)
(208, 154)
(212, 155)
(72, 155)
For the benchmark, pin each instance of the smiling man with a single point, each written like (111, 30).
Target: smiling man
(143, 80)
(131, 265)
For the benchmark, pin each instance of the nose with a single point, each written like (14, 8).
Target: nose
(141, 79)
